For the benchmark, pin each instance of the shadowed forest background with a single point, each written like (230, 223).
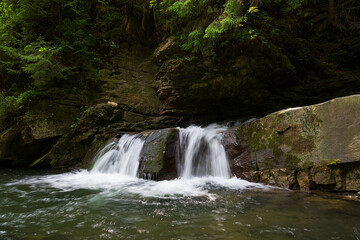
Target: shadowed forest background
(166, 63)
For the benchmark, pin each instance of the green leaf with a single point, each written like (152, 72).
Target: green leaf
(253, 10)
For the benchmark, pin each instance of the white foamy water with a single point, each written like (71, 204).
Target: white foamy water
(203, 167)
(202, 153)
(177, 188)
(120, 158)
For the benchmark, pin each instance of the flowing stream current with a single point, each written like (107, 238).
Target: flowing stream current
(204, 202)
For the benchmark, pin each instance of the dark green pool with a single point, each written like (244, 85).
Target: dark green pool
(39, 205)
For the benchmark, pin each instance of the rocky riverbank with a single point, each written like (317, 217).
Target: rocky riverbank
(313, 147)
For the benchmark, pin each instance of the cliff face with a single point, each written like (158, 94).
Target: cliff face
(202, 89)
(155, 83)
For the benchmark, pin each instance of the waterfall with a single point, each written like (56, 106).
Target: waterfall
(201, 152)
(120, 157)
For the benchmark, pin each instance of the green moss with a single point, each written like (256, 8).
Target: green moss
(334, 162)
(253, 134)
(292, 162)
(152, 160)
(307, 164)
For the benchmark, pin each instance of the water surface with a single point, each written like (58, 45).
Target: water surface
(80, 205)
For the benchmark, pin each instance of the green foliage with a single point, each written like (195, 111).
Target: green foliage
(253, 10)
(203, 36)
(193, 41)
(49, 41)
(293, 5)
(334, 162)
(28, 96)
(42, 62)
(10, 105)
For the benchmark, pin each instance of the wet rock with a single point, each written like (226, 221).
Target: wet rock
(280, 177)
(277, 177)
(134, 117)
(158, 156)
(36, 132)
(117, 115)
(134, 87)
(353, 180)
(319, 137)
(322, 175)
(265, 177)
(201, 88)
(303, 180)
(232, 150)
(252, 176)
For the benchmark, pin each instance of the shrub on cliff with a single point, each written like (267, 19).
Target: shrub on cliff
(207, 26)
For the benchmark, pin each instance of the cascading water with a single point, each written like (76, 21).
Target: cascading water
(121, 157)
(110, 202)
(201, 152)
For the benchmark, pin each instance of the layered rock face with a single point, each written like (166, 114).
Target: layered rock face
(309, 147)
(201, 89)
(37, 131)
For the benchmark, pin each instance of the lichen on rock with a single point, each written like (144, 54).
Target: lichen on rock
(306, 141)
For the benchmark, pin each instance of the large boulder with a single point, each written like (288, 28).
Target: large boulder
(322, 138)
(159, 153)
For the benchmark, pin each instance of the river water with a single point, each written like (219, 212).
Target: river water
(110, 202)
(83, 205)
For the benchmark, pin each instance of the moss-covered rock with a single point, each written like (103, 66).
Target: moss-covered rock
(311, 141)
(130, 80)
(158, 156)
(33, 135)
(292, 138)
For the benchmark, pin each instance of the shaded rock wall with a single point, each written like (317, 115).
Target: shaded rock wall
(207, 91)
(34, 134)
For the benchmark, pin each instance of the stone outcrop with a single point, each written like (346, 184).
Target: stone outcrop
(130, 81)
(205, 90)
(36, 132)
(96, 126)
(159, 154)
(317, 145)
